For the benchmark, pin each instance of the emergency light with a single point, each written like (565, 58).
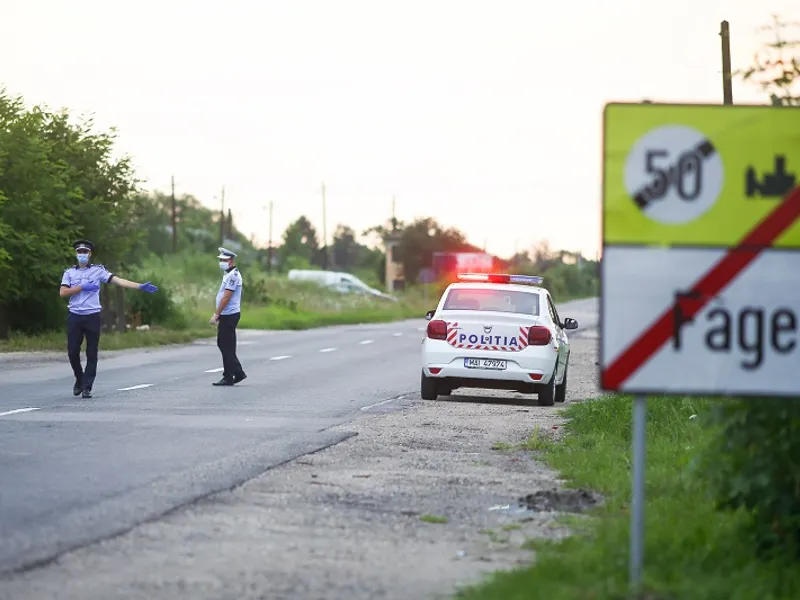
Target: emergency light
(500, 278)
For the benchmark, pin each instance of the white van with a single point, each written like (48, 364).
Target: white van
(339, 281)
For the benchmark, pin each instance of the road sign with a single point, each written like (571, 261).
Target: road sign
(427, 275)
(701, 259)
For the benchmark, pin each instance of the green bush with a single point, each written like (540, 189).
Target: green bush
(156, 309)
(753, 464)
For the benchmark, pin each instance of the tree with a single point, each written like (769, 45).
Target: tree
(418, 242)
(345, 249)
(299, 241)
(776, 67)
(58, 181)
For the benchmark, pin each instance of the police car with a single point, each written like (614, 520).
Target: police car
(496, 331)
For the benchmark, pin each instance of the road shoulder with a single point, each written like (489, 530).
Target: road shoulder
(362, 519)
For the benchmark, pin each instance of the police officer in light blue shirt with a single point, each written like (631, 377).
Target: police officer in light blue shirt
(226, 317)
(81, 284)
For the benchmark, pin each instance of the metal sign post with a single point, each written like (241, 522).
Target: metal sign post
(637, 509)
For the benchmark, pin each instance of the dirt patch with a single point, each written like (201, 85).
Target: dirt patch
(561, 500)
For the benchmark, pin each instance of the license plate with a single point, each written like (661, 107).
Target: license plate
(485, 363)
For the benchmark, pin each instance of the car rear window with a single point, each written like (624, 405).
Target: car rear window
(510, 301)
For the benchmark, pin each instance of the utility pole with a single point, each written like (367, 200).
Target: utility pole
(394, 217)
(222, 218)
(727, 77)
(324, 232)
(174, 219)
(269, 252)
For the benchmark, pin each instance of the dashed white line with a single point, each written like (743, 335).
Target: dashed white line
(420, 329)
(141, 386)
(364, 342)
(280, 357)
(327, 349)
(217, 370)
(16, 411)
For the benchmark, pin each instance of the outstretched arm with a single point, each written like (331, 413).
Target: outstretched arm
(145, 287)
(117, 280)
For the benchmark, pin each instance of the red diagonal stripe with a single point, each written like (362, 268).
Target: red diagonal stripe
(734, 262)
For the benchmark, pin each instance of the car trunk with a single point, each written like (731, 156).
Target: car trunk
(488, 331)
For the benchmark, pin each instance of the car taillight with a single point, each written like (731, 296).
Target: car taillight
(437, 330)
(539, 336)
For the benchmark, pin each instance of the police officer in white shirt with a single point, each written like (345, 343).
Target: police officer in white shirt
(226, 317)
(81, 284)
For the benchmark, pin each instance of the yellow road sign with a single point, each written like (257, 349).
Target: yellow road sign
(696, 175)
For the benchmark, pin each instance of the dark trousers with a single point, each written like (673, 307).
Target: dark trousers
(78, 327)
(226, 341)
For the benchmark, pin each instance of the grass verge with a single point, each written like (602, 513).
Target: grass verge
(57, 341)
(253, 317)
(692, 551)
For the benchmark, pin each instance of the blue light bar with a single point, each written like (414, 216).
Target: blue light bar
(528, 279)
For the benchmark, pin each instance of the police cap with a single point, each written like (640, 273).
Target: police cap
(83, 245)
(226, 254)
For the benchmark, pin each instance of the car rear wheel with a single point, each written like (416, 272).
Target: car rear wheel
(428, 387)
(561, 389)
(547, 393)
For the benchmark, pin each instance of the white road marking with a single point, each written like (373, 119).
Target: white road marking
(327, 349)
(420, 329)
(280, 357)
(217, 370)
(363, 342)
(381, 402)
(398, 334)
(16, 411)
(141, 386)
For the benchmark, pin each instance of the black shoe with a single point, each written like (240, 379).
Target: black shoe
(87, 393)
(241, 377)
(76, 389)
(223, 381)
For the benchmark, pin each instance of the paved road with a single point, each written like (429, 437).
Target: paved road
(157, 435)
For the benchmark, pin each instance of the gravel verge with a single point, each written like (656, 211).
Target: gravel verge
(358, 520)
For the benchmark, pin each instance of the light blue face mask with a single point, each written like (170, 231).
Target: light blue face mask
(82, 259)
(224, 265)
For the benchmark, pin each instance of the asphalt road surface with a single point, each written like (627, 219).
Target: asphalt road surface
(157, 435)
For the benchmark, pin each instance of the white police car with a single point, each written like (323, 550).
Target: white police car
(500, 332)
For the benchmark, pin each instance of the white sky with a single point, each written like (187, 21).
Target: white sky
(485, 115)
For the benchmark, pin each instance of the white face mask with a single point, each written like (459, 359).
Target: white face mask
(224, 266)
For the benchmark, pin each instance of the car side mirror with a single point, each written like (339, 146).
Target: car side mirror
(570, 323)
(429, 315)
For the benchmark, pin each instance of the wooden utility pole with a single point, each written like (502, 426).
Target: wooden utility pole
(222, 218)
(174, 219)
(727, 76)
(324, 232)
(269, 252)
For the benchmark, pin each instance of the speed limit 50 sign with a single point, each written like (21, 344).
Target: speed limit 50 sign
(701, 250)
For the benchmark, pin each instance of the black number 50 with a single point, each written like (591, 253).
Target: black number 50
(687, 173)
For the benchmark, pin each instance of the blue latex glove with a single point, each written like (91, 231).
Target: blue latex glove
(148, 287)
(90, 287)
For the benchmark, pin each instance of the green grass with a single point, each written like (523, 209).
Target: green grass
(433, 519)
(270, 302)
(278, 317)
(57, 341)
(692, 551)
